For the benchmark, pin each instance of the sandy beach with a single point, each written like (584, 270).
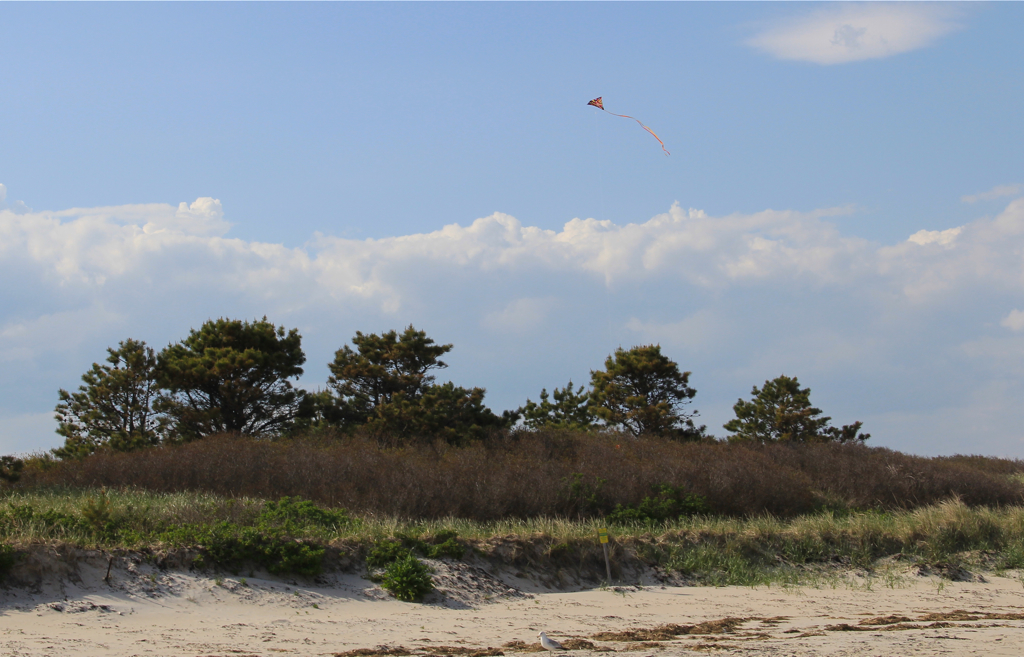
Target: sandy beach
(141, 610)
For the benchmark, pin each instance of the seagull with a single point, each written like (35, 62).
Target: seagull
(550, 644)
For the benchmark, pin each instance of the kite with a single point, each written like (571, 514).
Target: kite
(599, 104)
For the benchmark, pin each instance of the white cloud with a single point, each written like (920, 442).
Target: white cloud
(851, 32)
(940, 237)
(736, 299)
(996, 192)
(184, 248)
(1014, 321)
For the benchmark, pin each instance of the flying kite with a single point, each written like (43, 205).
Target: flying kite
(599, 104)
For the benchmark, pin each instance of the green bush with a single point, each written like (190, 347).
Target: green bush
(407, 579)
(445, 545)
(10, 468)
(230, 546)
(440, 545)
(667, 504)
(386, 552)
(97, 515)
(295, 513)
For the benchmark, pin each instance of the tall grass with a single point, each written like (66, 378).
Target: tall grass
(709, 550)
(544, 474)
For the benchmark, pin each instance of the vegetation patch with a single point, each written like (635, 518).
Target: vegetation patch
(667, 503)
(230, 546)
(292, 535)
(392, 563)
(408, 579)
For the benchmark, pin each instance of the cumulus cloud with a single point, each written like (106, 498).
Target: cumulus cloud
(737, 299)
(941, 237)
(996, 192)
(849, 32)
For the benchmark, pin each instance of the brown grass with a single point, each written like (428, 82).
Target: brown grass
(525, 475)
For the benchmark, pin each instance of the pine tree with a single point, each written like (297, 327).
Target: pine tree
(782, 412)
(643, 391)
(231, 376)
(114, 408)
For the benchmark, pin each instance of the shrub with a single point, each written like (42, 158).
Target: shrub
(10, 468)
(386, 552)
(97, 515)
(293, 513)
(544, 473)
(443, 544)
(668, 504)
(407, 579)
(231, 546)
(446, 545)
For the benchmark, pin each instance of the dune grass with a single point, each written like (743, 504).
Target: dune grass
(706, 550)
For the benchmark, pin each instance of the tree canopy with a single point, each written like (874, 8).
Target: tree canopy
(570, 410)
(379, 368)
(385, 385)
(781, 411)
(643, 391)
(113, 409)
(231, 376)
(443, 412)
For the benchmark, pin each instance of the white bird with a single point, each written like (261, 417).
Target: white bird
(550, 644)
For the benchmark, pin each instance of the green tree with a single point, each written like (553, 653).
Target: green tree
(643, 391)
(447, 412)
(231, 376)
(386, 385)
(781, 412)
(570, 410)
(380, 368)
(114, 408)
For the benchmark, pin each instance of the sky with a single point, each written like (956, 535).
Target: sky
(843, 202)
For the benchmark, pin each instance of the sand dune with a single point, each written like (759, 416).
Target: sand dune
(142, 610)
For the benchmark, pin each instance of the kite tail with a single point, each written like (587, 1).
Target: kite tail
(626, 116)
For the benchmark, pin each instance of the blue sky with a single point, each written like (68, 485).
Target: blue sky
(321, 150)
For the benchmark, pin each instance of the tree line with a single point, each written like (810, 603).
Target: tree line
(235, 376)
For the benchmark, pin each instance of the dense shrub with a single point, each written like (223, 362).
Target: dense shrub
(10, 468)
(667, 504)
(407, 579)
(385, 552)
(231, 546)
(294, 513)
(543, 473)
(392, 563)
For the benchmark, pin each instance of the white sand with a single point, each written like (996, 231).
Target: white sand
(186, 614)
